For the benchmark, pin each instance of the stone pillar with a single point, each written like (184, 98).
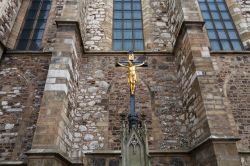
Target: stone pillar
(53, 132)
(211, 128)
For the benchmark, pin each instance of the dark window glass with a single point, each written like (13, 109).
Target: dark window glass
(138, 34)
(236, 44)
(220, 28)
(127, 25)
(117, 14)
(128, 34)
(137, 14)
(117, 24)
(139, 45)
(127, 15)
(118, 5)
(203, 6)
(117, 34)
(209, 24)
(212, 6)
(32, 33)
(136, 6)
(211, 34)
(128, 44)
(127, 6)
(137, 24)
(22, 44)
(117, 45)
(215, 44)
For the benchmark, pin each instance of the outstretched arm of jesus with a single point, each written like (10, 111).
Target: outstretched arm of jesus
(121, 64)
(140, 64)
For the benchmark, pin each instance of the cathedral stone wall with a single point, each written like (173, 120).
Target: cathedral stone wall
(103, 95)
(233, 76)
(8, 13)
(99, 25)
(161, 22)
(21, 88)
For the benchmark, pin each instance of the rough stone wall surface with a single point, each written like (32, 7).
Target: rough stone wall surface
(99, 25)
(190, 10)
(245, 159)
(103, 94)
(161, 22)
(8, 13)
(245, 9)
(239, 10)
(233, 75)
(206, 114)
(21, 89)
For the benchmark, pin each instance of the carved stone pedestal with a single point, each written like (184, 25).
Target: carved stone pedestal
(134, 143)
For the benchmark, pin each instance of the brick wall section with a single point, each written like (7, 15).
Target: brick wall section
(8, 13)
(21, 91)
(103, 95)
(233, 75)
(161, 22)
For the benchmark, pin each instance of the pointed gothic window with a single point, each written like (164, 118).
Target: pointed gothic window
(127, 25)
(31, 35)
(220, 27)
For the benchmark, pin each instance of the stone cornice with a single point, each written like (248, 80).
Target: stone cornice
(124, 53)
(32, 53)
(54, 153)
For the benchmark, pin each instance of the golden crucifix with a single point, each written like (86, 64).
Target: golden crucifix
(131, 65)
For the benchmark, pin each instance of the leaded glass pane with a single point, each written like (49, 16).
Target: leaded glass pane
(215, 44)
(128, 45)
(127, 24)
(139, 45)
(117, 45)
(128, 34)
(127, 15)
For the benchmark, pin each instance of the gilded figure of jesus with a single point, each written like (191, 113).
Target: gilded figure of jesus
(132, 79)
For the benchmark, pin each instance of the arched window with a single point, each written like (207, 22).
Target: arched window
(127, 25)
(31, 35)
(220, 27)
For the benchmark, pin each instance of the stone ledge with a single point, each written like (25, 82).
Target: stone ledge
(33, 53)
(215, 139)
(125, 53)
(19, 163)
(54, 153)
(243, 52)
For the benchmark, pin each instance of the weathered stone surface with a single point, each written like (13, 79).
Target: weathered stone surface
(21, 92)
